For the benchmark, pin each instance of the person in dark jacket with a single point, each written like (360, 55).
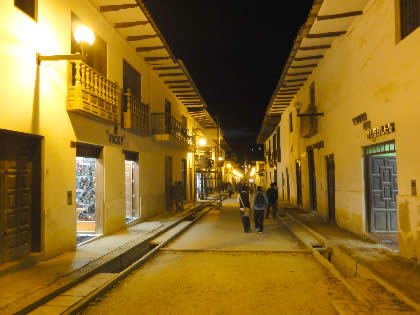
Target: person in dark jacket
(244, 206)
(272, 196)
(259, 204)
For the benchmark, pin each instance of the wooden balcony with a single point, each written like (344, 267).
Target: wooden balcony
(91, 93)
(136, 115)
(165, 128)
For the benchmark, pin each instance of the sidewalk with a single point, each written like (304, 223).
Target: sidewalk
(402, 273)
(21, 288)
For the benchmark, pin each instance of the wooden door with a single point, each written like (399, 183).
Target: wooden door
(15, 208)
(312, 180)
(331, 186)
(299, 183)
(383, 191)
(168, 182)
(184, 177)
(288, 184)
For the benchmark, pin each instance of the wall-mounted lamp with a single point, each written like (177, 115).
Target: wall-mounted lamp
(298, 106)
(84, 37)
(202, 142)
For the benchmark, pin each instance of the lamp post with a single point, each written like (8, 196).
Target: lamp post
(84, 37)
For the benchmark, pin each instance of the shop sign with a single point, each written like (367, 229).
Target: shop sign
(386, 129)
(359, 119)
(114, 137)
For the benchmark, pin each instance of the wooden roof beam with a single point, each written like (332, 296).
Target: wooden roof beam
(171, 74)
(130, 24)
(314, 47)
(298, 74)
(177, 81)
(296, 80)
(327, 34)
(167, 68)
(156, 58)
(117, 7)
(304, 66)
(140, 37)
(308, 58)
(185, 91)
(145, 49)
(180, 86)
(338, 16)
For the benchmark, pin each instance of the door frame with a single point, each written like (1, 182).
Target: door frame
(369, 151)
(298, 182)
(312, 179)
(331, 210)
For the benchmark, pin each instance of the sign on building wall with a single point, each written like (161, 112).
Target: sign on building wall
(374, 133)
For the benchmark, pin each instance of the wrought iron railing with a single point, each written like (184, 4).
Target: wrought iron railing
(91, 92)
(163, 123)
(136, 114)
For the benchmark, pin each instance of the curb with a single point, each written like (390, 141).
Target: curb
(27, 303)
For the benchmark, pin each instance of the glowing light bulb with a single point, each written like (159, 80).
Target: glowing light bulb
(84, 34)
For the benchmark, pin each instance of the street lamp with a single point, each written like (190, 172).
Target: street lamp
(202, 142)
(84, 37)
(298, 106)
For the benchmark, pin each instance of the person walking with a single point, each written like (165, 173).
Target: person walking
(244, 206)
(259, 204)
(229, 188)
(272, 197)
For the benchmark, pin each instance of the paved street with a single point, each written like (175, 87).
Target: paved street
(215, 268)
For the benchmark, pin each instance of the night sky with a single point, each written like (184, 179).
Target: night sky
(235, 52)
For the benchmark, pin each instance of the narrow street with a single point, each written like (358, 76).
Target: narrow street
(215, 268)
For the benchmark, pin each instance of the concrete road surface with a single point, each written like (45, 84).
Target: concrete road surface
(215, 268)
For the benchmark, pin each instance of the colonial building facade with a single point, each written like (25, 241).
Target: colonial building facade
(343, 119)
(92, 137)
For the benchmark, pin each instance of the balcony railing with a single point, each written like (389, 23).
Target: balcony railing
(163, 123)
(136, 117)
(92, 93)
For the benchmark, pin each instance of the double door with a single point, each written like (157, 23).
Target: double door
(16, 194)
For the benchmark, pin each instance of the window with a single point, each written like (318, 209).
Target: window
(28, 6)
(131, 80)
(131, 186)
(409, 16)
(96, 54)
(291, 122)
(278, 145)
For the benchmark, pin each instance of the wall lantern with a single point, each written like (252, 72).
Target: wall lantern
(84, 37)
(202, 142)
(228, 165)
(298, 106)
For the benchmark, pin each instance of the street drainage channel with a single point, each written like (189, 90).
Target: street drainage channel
(77, 297)
(370, 293)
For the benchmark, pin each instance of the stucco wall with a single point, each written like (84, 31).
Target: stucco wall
(34, 102)
(366, 70)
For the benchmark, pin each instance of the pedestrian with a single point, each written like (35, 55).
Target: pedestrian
(229, 189)
(272, 197)
(244, 206)
(259, 204)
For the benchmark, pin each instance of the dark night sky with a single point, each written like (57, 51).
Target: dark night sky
(235, 52)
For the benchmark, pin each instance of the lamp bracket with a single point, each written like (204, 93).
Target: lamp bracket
(40, 58)
(310, 115)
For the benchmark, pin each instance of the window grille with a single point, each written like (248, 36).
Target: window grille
(380, 148)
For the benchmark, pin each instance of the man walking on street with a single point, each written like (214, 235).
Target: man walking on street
(272, 196)
(244, 206)
(259, 204)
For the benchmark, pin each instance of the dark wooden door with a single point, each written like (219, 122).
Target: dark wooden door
(298, 183)
(383, 191)
(184, 177)
(331, 186)
(15, 208)
(288, 184)
(312, 179)
(168, 182)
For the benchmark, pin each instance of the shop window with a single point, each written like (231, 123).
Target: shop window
(89, 188)
(96, 54)
(28, 6)
(409, 16)
(131, 186)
